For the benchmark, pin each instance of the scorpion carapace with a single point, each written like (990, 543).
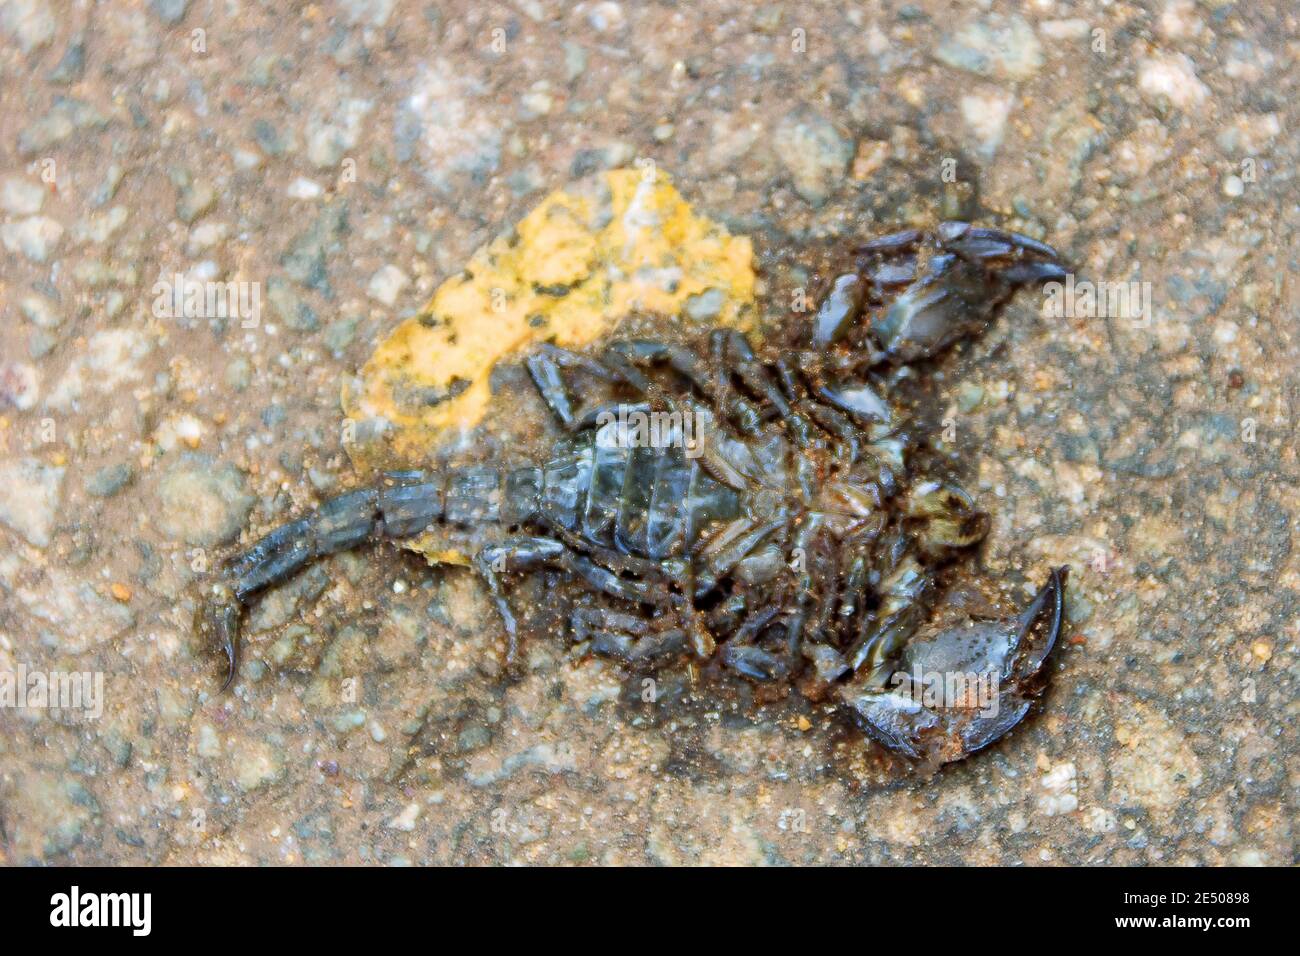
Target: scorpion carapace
(757, 504)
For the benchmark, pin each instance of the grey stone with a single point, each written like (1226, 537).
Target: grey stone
(29, 498)
(30, 22)
(993, 46)
(202, 502)
(290, 308)
(239, 373)
(305, 260)
(109, 480)
(707, 305)
(34, 237)
(71, 65)
(339, 334)
(41, 312)
(169, 11)
(814, 152)
(21, 197)
(195, 201)
(66, 117)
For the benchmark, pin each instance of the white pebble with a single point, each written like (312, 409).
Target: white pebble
(302, 188)
(1172, 76)
(387, 284)
(20, 197)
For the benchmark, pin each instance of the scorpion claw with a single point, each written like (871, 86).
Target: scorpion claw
(968, 274)
(955, 691)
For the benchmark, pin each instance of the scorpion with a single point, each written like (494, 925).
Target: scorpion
(784, 536)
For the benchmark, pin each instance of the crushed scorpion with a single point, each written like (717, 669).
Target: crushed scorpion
(759, 506)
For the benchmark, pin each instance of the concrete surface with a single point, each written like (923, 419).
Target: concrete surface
(348, 157)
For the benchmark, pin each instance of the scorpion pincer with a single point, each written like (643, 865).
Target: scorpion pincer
(790, 539)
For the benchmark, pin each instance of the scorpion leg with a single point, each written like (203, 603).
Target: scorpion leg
(797, 414)
(668, 572)
(828, 414)
(800, 428)
(545, 364)
(644, 352)
(625, 637)
(702, 640)
(520, 554)
(754, 662)
(757, 378)
(621, 364)
(647, 353)
(513, 554)
(904, 603)
(626, 364)
(745, 657)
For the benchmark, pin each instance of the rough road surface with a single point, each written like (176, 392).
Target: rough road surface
(343, 159)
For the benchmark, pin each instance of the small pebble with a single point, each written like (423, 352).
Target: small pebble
(109, 480)
(202, 502)
(19, 385)
(387, 284)
(29, 498)
(302, 188)
(705, 306)
(814, 152)
(40, 312)
(195, 200)
(239, 373)
(169, 11)
(34, 237)
(1172, 77)
(20, 197)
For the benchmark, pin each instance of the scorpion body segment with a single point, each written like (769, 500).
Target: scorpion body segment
(769, 515)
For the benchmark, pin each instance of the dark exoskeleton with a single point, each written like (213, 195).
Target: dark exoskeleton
(754, 504)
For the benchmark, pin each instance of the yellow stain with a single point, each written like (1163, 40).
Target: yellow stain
(612, 245)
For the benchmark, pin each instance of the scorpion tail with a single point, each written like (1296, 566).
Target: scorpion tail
(404, 504)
